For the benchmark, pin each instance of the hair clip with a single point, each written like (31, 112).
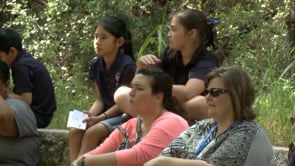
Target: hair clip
(211, 21)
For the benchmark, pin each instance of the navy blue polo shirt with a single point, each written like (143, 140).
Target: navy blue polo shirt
(121, 72)
(201, 63)
(30, 75)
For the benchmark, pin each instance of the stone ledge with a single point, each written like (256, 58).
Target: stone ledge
(55, 151)
(281, 154)
(54, 147)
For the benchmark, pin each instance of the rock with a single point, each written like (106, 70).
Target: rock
(55, 151)
(54, 147)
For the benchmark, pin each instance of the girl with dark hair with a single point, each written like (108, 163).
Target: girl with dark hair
(144, 137)
(114, 66)
(186, 60)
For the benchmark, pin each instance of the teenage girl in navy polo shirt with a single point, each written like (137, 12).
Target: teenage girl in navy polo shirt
(114, 67)
(186, 60)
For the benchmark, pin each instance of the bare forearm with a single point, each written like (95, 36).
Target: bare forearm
(108, 159)
(96, 107)
(4, 108)
(8, 126)
(192, 88)
(113, 111)
(25, 97)
(182, 93)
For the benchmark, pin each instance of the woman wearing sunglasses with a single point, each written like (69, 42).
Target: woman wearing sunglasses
(230, 137)
(143, 138)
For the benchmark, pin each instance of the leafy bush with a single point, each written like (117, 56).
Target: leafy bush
(251, 34)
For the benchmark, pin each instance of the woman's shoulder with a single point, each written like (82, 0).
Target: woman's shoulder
(170, 118)
(130, 123)
(248, 125)
(249, 129)
(168, 114)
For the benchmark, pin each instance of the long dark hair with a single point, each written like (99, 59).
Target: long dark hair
(161, 82)
(117, 28)
(195, 19)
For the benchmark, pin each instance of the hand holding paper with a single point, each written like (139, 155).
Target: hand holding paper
(76, 118)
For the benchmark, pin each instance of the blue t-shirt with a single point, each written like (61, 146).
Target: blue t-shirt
(201, 63)
(30, 75)
(121, 72)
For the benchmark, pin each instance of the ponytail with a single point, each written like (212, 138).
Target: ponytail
(195, 19)
(127, 47)
(211, 33)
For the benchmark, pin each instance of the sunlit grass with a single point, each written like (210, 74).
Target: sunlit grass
(261, 51)
(274, 107)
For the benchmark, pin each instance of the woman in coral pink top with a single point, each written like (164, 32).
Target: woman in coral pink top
(142, 138)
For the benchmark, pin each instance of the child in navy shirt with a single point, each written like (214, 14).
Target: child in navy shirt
(114, 66)
(31, 80)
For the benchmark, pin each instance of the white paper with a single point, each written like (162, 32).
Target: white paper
(76, 118)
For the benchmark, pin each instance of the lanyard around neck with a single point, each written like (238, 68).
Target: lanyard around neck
(205, 141)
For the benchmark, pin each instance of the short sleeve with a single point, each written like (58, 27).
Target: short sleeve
(24, 117)
(204, 66)
(22, 79)
(261, 151)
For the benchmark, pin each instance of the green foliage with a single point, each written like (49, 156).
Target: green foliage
(60, 34)
(274, 109)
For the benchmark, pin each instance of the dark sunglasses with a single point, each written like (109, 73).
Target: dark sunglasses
(214, 92)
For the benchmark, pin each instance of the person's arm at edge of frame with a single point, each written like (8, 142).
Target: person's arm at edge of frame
(8, 126)
(26, 97)
(172, 161)
(192, 88)
(108, 159)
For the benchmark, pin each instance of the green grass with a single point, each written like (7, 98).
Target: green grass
(274, 107)
(260, 50)
(73, 93)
